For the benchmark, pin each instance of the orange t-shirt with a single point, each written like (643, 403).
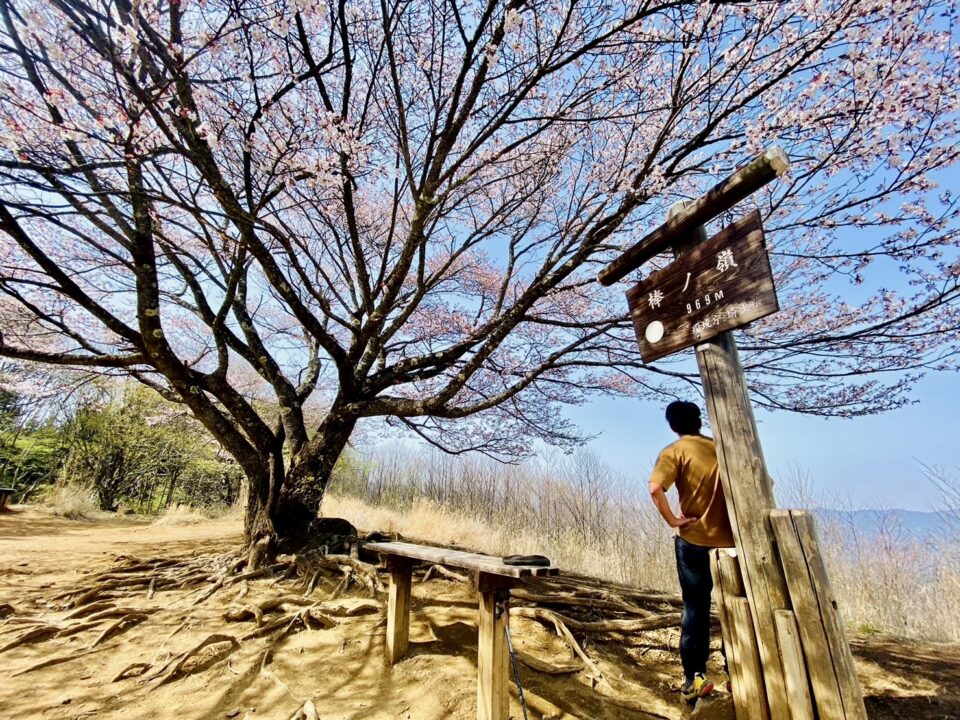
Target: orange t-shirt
(691, 464)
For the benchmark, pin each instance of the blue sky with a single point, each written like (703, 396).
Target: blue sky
(870, 462)
(873, 462)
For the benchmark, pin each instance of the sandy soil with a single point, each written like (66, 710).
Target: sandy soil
(341, 669)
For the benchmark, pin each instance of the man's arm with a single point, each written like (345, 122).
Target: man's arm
(663, 505)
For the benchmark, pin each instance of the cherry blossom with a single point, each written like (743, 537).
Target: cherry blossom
(294, 215)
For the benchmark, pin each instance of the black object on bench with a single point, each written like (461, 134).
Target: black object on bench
(534, 560)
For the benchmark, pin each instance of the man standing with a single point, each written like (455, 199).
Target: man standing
(690, 463)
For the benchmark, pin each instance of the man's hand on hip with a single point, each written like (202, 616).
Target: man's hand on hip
(682, 521)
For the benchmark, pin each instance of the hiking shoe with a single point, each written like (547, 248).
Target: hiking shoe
(695, 689)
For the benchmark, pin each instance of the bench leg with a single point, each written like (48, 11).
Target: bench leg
(493, 699)
(398, 610)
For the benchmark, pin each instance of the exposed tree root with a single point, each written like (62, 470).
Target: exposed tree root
(135, 578)
(32, 635)
(535, 663)
(623, 694)
(256, 612)
(366, 572)
(89, 610)
(53, 661)
(101, 604)
(180, 662)
(132, 671)
(564, 632)
(367, 607)
(342, 585)
(592, 603)
(307, 712)
(224, 580)
(441, 570)
(656, 622)
(120, 625)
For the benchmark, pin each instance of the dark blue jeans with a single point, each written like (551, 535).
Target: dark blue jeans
(696, 584)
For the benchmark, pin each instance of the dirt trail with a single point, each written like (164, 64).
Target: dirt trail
(341, 668)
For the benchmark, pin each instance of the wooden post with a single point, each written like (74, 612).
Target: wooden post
(749, 689)
(739, 640)
(747, 490)
(749, 496)
(493, 678)
(850, 689)
(398, 609)
(795, 670)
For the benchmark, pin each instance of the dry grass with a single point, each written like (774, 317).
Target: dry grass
(587, 521)
(69, 500)
(178, 514)
(426, 520)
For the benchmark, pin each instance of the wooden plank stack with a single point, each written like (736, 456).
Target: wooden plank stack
(819, 676)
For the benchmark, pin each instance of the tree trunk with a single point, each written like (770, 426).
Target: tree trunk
(282, 506)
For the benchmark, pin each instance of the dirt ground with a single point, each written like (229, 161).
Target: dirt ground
(340, 668)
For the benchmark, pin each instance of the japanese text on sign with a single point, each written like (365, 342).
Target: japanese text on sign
(720, 285)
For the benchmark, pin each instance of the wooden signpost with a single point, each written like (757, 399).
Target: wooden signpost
(779, 619)
(721, 284)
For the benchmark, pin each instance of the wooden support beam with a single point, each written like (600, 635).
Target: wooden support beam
(836, 690)
(493, 681)
(722, 597)
(398, 608)
(748, 690)
(749, 695)
(795, 669)
(730, 574)
(850, 689)
(723, 196)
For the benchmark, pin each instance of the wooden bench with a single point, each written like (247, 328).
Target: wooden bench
(5, 493)
(493, 581)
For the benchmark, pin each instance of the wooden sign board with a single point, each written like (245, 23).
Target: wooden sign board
(720, 285)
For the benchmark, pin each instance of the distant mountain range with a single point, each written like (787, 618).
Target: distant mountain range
(905, 523)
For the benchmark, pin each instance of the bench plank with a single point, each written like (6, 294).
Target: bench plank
(458, 558)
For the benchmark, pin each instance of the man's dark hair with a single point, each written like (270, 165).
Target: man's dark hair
(684, 417)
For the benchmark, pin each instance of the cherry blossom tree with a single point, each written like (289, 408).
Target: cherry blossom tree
(292, 215)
